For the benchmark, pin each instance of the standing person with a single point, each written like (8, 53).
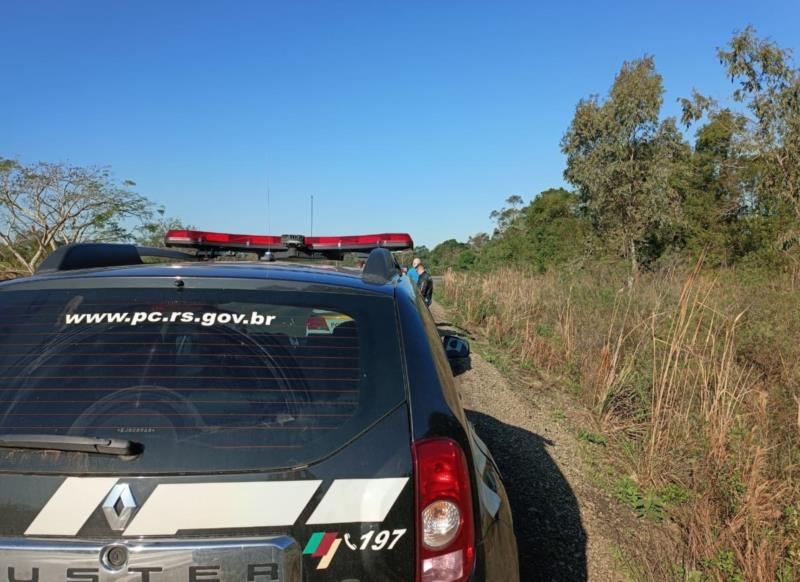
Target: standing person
(412, 272)
(425, 284)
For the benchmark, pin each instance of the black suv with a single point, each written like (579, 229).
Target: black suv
(205, 421)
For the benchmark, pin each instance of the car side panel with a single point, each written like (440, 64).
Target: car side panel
(436, 410)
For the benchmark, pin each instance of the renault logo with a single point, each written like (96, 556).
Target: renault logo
(118, 506)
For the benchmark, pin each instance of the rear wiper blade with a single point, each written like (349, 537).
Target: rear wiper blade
(102, 446)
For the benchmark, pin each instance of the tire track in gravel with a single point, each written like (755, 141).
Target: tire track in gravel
(562, 522)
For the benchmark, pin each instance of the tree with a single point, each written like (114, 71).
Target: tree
(554, 229)
(506, 216)
(450, 254)
(151, 232)
(622, 160)
(769, 87)
(45, 205)
(716, 192)
(478, 241)
(550, 231)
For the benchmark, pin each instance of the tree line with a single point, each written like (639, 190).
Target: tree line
(643, 194)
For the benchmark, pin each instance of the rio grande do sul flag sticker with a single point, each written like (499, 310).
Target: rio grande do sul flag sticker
(323, 545)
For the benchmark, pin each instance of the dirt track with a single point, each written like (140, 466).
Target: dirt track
(563, 523)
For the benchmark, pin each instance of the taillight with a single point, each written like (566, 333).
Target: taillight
(445, 529)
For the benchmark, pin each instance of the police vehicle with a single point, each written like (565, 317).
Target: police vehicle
(200, 420)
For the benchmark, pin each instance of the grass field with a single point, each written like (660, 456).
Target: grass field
(692, 378)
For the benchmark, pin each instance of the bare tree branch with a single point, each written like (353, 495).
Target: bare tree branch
(45, 205)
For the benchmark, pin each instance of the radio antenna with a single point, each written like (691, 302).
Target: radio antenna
(312, 215)
(269, 214)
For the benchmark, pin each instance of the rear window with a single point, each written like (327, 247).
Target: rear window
(205, 379)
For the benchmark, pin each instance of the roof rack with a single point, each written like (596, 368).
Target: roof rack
(96, 255)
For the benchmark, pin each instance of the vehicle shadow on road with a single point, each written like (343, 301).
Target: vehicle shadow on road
(547, 520)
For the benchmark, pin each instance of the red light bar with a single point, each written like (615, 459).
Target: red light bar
(394, 240)
(334, 245)
(199, 238)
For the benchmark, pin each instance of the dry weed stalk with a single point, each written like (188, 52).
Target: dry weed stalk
(671, 378)
(695, 376)
(615, 364)
(566, 322)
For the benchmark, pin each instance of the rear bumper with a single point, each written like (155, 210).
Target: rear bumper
(274, 558)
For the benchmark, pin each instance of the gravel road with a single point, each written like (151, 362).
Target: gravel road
(562, 522)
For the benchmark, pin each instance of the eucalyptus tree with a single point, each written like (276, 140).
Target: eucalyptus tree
(623, 159)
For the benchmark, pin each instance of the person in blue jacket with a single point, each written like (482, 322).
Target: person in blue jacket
(412, 272)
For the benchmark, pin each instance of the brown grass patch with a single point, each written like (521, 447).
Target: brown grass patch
(693, 377)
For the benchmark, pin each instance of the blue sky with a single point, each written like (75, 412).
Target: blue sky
(397, 116)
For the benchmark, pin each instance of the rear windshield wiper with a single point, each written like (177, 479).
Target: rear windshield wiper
(102, 446)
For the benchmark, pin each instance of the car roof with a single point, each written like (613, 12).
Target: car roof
(305, 272)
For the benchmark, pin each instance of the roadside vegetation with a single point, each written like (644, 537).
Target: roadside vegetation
(662, 291)
(691, 380)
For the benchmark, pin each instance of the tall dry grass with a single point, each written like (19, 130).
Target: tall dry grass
(694, 378)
